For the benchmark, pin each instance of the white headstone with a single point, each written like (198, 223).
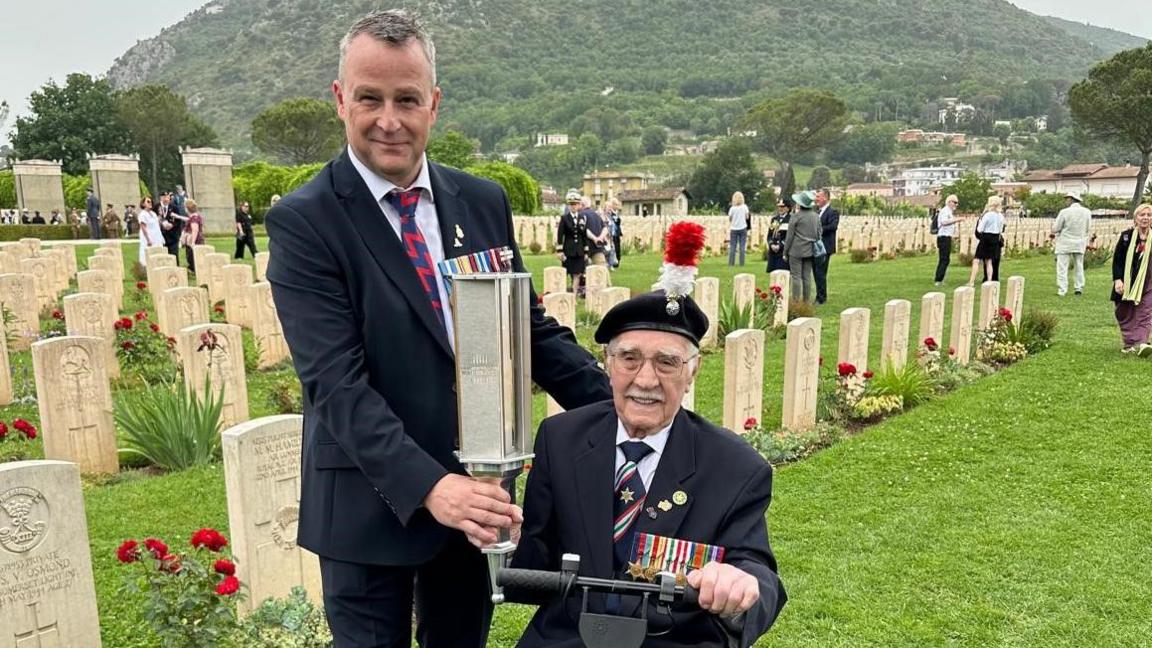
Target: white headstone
(989, 303)
(894, 352)
(47, 594)
(961, 337)
(216, 352)
(854, 325)
(94, 315)
(932, 317)
(801, 373)
(707, 296)
(75, 402)
(262, 474)
(743, 378)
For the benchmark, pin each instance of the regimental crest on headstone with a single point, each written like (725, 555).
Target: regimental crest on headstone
(24, 519)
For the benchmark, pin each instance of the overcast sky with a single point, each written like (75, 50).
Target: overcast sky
(47, 39)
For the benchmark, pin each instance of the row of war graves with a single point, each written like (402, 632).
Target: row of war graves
(47, 591)
(744, 349)
(880, 234)
(115, 180)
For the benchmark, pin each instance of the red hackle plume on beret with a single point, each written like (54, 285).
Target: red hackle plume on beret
(682, 243)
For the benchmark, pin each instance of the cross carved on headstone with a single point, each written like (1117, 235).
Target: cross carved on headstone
(277, 552)
(38, 636)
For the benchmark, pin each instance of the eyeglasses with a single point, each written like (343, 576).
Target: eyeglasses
(665, 365)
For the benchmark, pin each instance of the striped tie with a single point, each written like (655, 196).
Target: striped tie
(629, 499)
(405, 204)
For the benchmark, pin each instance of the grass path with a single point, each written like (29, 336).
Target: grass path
(1012, 512)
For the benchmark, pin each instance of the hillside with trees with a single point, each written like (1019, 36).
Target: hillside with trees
(511, 68)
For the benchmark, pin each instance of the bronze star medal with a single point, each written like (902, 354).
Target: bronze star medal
(636, 571)
(627, 496)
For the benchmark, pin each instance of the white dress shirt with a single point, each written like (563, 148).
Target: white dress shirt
(648, 464)
(426, 219)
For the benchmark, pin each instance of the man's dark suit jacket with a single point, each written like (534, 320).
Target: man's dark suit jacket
(568, 509)
(829, 223)
(378, 374)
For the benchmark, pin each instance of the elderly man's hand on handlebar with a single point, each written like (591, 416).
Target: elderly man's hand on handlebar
(724, 590)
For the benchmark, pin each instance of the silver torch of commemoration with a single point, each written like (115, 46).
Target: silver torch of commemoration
(494, 387)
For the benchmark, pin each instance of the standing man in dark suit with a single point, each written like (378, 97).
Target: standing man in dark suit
(829, 222)
(171, 224)
(384, 501)
(677, 477)
(92, 207)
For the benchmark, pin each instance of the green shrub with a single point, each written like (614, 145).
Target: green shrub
(285, 395)
(860, 256)
(876, 407)
(292, 622)
(783, 446)
(42, 232)
(1035, 330)
(800, 308)
(534, 248)
(965, 259)
(1097, 257)
(170, 425)
(910, 383)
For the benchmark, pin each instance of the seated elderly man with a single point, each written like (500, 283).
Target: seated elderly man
(639, 484)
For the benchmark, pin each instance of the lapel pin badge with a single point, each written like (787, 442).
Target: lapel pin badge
(665, 505)
(680, 498)
(651, 513)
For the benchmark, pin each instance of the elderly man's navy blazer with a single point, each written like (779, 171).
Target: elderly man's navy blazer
(568, 509)
(378, 373)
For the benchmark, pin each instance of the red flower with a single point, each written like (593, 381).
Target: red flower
(846, 369)
(229, 586)
(209, 538)
(57, 314)
(951, 351)
(170, 563)
(140, 285)
(171, 341)
(868, 374)
(3, 429)
(127, 345)
(225, 566)
(778, 290)
(219, 309)
(763, 296)
(750, 423)
(1005, 314)
(25, 427)
(157, 547)
(930, 344)
(155, 327)
(117, 325)
(125, 323)
(141, 316)
(128, 552)
(821, 361)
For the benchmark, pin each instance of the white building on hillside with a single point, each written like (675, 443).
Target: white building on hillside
(923, 180)
(551, 139)
(1098, 179)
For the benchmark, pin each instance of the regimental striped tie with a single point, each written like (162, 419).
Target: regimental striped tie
(630, 494)
(405, 204)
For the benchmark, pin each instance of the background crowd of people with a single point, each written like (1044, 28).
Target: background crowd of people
(585, 236)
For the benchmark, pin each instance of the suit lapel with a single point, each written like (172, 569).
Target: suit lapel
(594, 470)
(372, 226)
(451, 211)
(677, 464)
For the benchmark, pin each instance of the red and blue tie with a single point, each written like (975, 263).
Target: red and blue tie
(630, 494)
(404, 202)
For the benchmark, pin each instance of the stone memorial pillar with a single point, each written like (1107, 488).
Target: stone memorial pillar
(47, 590)
(894, 352)
(39, 186)
(237, 279)
(208, 179)
(932, 318)
(266, 325)
(75, 402)
(854, 325)
(707, 296)
(743, 378)
(93, 315)
(989, 304)
(961, 337)
(262, 477)
(215, 352)
(116, 180)
(562, 307)
(801, 373)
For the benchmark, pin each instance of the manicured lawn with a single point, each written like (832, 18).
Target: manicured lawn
(1012, 512)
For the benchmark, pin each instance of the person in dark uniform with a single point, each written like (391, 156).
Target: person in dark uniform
(572, 240)
(677, 477)
(384, 502)
(777, 232)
